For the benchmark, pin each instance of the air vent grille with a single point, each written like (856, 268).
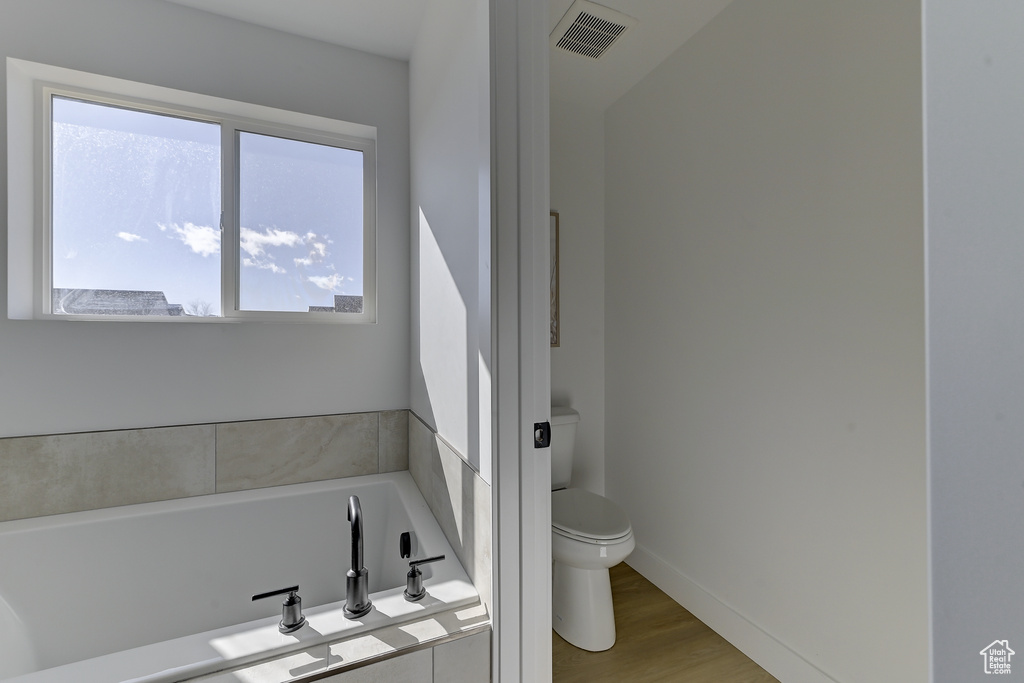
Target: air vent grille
(589, 30)
(590, 36)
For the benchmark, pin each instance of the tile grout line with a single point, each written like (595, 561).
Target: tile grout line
(216, 457)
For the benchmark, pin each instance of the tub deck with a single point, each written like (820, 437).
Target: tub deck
(315, 663)
(258, 651)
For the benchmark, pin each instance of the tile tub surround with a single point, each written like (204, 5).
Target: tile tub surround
(249, 453)
(45, 475)
(459, 499)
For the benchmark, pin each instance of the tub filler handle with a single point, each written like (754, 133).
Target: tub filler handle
(291, 608)
(414, 589)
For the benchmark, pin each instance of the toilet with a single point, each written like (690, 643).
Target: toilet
(589, 535)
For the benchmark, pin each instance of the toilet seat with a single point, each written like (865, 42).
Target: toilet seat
(591, 541)
(588, 517)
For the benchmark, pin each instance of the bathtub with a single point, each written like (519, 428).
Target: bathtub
(161, 592)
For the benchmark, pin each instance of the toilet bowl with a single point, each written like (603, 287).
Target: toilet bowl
(589, 535)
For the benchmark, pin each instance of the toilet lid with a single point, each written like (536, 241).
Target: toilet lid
(586, 514)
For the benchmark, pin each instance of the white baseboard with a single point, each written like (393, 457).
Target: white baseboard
(756, 643)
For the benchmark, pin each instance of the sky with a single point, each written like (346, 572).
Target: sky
(136, 205)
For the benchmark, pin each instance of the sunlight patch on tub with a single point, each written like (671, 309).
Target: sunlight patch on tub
(250, 642)
(356, 649)
(475, 614)
(425, 630)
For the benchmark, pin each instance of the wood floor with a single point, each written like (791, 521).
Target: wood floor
(656, 640)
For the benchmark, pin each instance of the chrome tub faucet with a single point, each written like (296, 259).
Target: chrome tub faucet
(357, 594)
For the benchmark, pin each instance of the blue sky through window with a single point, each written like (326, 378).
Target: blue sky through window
(136, 202)
(136, 206)
(301, 218)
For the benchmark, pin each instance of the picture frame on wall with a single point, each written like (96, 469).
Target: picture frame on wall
(555, 326)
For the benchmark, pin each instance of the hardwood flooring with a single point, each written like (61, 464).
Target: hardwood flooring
(656, 641)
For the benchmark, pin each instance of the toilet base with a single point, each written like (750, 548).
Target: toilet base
(582, 610)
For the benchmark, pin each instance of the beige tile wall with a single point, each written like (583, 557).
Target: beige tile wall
(45, 475)
(273, 452)
(459, 499)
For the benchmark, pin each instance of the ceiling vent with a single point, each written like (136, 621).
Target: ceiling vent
(590, 30)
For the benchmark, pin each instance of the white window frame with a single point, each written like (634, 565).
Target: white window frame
(31, 88)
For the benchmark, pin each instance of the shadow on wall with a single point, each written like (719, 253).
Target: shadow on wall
(459, 499)
(450, 341)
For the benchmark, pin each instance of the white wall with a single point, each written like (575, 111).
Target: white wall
(974, 106)
(577, 365)
(60, 376)
(451, 227)
(765, 347)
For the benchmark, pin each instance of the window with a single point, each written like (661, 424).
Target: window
(189, 207)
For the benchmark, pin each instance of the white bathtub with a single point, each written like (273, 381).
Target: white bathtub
(162, 591)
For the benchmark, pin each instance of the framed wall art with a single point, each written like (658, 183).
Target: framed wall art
(555, 326)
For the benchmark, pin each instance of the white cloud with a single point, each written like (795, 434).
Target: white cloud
(258, 246)
(254, 243)
(263, 265)
(129, 237)
(328, 282)
(316, 255)
(202, 239)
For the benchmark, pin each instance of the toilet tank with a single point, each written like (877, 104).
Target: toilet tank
(563, 441)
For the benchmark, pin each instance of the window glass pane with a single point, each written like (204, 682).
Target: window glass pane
(301, 226)
(136, 212)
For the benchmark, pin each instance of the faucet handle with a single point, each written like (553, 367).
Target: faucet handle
(291, 608)
(416, 563)
(414, 589)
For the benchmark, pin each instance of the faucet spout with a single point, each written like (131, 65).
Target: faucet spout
(357, 594)
(355, 518)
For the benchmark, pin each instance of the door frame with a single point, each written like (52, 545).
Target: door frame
(522, 386)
